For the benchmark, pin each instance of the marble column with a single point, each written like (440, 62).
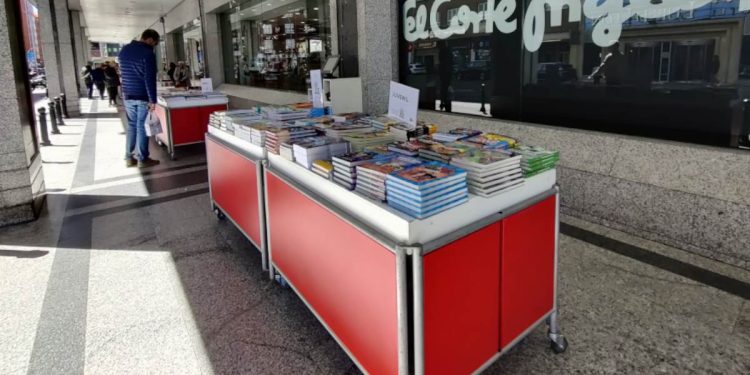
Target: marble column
(57, 44)
(21, 178)
(377, 25)
(212, 49)
(75, 23)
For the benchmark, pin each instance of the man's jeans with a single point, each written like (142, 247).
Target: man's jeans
(136, 111)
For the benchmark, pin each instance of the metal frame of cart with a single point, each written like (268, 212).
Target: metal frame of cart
(409, 274)
(242, 151)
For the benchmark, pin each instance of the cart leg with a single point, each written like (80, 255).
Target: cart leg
(558, 342)
(219, 214)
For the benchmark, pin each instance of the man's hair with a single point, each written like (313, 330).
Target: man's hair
(150, 34)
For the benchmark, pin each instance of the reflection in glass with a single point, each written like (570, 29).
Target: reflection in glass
(644, 68)
(275, 44)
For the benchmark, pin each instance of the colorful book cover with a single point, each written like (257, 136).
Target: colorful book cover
(388, 166)
(427, 174)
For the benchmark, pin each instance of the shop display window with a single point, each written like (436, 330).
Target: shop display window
(275, 44)
(658, 68)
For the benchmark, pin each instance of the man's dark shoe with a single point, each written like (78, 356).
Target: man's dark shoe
(130, 163)
(147, 163)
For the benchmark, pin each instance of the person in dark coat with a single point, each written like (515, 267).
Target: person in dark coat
(86, 75)
(112, 81)
(138, 72)
(97, 74)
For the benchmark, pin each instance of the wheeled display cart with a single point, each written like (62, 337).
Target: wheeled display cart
(235, 179)
(184, 119)
(447, 294)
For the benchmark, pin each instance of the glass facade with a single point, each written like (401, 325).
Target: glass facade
(660, 68)
(275, 44)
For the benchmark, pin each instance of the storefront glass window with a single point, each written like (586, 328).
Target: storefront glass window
(660, 68)
(192, 34)
(275, 44)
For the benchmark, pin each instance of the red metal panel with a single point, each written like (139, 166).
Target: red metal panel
(345, 276)
(185, 125)
(527, 268)
(234, 187)
(461, 303)
(161, 112)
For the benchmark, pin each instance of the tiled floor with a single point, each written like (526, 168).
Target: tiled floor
(128, 271)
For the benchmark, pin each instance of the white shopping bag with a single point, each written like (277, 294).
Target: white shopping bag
(153, 126)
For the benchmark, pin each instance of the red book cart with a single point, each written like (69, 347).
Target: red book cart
(184, 119)
(447, 294)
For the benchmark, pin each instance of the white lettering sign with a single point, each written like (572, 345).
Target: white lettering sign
(207, 85)
(608, 17)
(402, 104)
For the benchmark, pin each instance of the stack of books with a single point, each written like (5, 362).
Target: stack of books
(347, 117)
(258, 131)
(382, 123)
(402, 132)
(492, 141)
(215, 120)
(284, 113)
(345, 167)
(455, 135)
(425, 190)
(491, 172)
(409, 148)
(232, 119)
(442, 152)
(339, 130)
(323, 168)
(317, 148)
(363, 140)
(371, 176)
(314, 121)
(276, 136)
(536, 160)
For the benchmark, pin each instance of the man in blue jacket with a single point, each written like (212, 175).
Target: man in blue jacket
(138, 74)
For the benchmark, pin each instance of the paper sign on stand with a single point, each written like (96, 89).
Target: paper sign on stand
(316, 82)
(207, 85)
(403, 104)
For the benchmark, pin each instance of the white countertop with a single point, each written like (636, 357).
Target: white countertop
(175, 102)
(403, 228)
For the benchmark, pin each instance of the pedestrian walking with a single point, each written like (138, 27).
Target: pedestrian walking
(138, 72)
(87, 79)
(97, 74)
(112, 81)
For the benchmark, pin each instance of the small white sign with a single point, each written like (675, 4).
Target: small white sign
(403, 103)
(316, 83)
(207, 85)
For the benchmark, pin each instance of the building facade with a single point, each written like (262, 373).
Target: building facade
(646, 100)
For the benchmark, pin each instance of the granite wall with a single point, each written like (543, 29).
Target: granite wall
(692, 197)
(21, 177)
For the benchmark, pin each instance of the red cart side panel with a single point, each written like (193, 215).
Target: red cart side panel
(161, 112)
(527, 269)
(461, 303)
(234, 187)
(345, 276)
(183, 121)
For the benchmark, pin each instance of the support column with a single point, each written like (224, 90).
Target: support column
(377, 25)
(80, 61)
(21, 179)
(57, 44)
(212, 49)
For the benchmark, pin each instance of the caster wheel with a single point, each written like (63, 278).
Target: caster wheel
(219, 215)
(559, 345)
